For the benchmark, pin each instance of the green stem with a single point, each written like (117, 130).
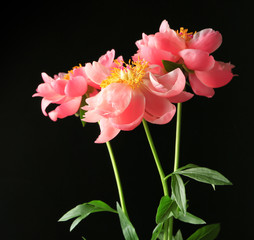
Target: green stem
(117, 177)
(177, 154)
(160, 170)
(156, 158)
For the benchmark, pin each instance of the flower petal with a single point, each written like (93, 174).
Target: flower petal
(133, 114)
(207, 40)
(107, 59)
(96, 72)
(167, 85)
(46, 78)
(199, 88)
(44, 105)
(112, 100)
(164, 27)
(196, 59)
(158, 110)
(66, 109)
(76, 86)
(218, 76)
(182, 97)
(108, 132)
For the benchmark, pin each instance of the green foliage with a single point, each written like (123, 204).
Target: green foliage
(170, 66)
(129, 231)
(209, 232)
(205, 175)
(157, 231)
(82, 211)
(178, 191)
(178, 235)
(164, 210)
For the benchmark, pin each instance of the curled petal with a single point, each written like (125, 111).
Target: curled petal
(182, 97)
(108, 131)
(196, 59)
(112, 100)
(199, 88)
(218, 76)
(133, 114)
(154, 55)
(158, 110)
(76, 86)
(66, 109)
(46, 78)
(164, 27)
(207, 40)
(96, 72)
(59, 86)
(107, 59)
(44, 105)
(167, 85)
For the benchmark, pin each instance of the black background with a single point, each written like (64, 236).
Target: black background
(48, 168)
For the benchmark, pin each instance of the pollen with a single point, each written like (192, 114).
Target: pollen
(131, 74)
(183, 33)
(67, 76)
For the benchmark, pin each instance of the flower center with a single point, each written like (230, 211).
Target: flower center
(67, 76)
(131, 74)
(183, 33)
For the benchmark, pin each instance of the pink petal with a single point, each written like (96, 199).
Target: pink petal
(207, 40)
(107, 59)
(108, 132)
(182, 97)
(46, 78)
(66, 109)
(164, 27)
(47, 91)
(91, 116)
(133, 114)
(112, 100)
(167, 85)
(196, 59)
(76, 86)
(96, 72)
(218, 76)
(169, 41)
(44, 105)
(59, 86)
(154, 56)
(199, 88)
(158, 110)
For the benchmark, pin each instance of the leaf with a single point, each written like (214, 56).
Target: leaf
(190, 218)
(157, 231)
(164, 210)
(82, 211)
(205, 175)
(209, 232)
(190, 165)
(178, 235)
(82, 111)
(129, 231)
(170, 66)
(178, 190)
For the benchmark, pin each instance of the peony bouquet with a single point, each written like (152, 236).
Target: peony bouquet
(168, 69)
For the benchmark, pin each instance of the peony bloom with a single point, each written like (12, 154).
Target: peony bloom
(193, 51)
(129, 93)
(65, 89)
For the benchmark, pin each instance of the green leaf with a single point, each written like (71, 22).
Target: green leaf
(164, 210)
(205, 175)
(209, 232)
(82, 211)
(190, 165)
(81, 111)
(190, 218)
(170, 66)
(178, 190)
(129, 231)
(157, 231)
(178, 235)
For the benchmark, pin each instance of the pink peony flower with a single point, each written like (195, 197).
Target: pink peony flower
(129, 93)
(64, 89)
(191, 49)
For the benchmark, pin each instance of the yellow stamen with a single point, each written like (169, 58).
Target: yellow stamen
(183, 33)
(67, 76)
(131, 74)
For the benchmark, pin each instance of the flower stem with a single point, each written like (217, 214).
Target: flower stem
(177, 154)
(117, 177)
(160, 170)
(156, 158)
